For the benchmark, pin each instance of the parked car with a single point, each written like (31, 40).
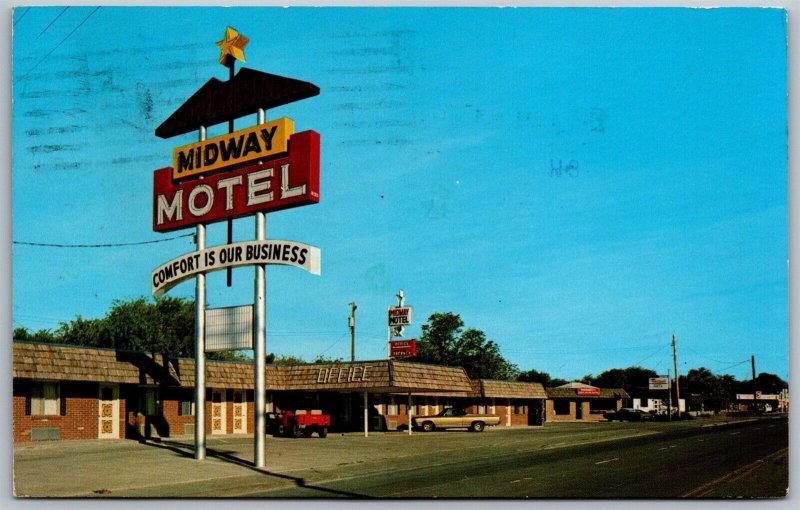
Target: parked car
(295, 425)
(452, 418)
(628, 414)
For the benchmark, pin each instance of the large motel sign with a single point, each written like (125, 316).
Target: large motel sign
(248, 172)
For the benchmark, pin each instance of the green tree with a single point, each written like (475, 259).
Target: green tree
(80, 331)
(770, 383)
(631, 379)
(43, 335)
(325, 359)
(274, 359)
(540, 377)
(445, 342)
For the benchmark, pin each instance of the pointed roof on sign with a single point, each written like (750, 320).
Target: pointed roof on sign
(219, 101)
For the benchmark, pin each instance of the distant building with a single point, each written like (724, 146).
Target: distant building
(581, 402)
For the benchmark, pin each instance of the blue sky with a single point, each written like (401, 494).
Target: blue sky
(580, 184)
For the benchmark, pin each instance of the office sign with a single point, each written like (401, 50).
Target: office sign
(286, 253)
(282, 183)
(402, 348)
(589, 392)
(246, 145)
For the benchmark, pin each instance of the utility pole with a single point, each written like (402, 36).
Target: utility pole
(753, 366)
(353, 307)
(677, 377)
(669, 397)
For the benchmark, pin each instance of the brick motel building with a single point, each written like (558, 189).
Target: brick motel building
(68, 392)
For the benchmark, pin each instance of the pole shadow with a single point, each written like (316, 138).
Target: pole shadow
(186, 450)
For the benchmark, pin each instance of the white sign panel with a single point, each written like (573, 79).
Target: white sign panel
(759, 396)
(659, 383)
(229, 329)
(400, 316)
(287, 253)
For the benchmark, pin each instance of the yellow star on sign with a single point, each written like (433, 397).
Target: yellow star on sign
(232, 46)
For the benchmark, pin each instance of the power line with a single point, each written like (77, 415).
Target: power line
(651, 355)
(331, 345)
(106, 245)
(26, 10)
(62, 42)
(54, 20)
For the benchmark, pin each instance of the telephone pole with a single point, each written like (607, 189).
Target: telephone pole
(669, 397)
(353, 307)
(755, 391)
(677, 377)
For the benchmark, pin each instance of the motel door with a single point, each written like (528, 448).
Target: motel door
(108, 412)
(239, 412)
(218, 418)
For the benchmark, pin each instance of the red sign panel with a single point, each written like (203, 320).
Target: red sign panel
(278, 184)
(589, 391)
(403, 348)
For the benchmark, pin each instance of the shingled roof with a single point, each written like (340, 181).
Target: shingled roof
(562, 392)
(43, 361)
(55, 362)
(377, 376)
(509, 389)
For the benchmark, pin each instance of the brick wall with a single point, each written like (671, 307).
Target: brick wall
(80, 418)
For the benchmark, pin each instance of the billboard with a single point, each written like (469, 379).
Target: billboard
(658, 383)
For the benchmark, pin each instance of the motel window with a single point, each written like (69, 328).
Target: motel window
(481, 409)
(391, 409)
(45, 399)
(493, 408)
(186, 407)
(519, 409)
(561, 406)
(414, 410)
(601, 405)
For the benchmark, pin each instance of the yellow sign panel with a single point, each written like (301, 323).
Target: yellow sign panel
(249, 144)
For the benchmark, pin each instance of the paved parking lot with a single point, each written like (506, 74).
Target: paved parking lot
(125, 468)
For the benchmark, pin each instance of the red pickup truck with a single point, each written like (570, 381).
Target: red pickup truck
(291, 424)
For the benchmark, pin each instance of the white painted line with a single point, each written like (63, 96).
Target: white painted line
(664, 448)
(734, 433)
(515, 481)
(672, 446)
(604, 461)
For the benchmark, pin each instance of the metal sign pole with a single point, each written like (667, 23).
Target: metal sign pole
(200, 347)
(260, 347)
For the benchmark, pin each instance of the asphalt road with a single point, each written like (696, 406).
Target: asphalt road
(681, 463)
(560, 460)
